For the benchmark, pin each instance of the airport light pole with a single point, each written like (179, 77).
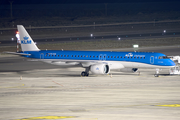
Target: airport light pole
(105, 8)
(94, 25)
(11, 8)
(18, 40)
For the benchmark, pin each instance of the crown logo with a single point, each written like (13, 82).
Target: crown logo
(26, 38)
(26, 41)
(129, 55)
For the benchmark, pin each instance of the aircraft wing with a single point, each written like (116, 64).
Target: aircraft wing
(83, 63)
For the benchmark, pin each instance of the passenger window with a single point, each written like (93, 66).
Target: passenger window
(114, 56)
(61, 55)
(108, 56)
(64, 55)
(67, 55)
(71, 55)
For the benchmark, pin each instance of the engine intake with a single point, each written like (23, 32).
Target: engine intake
(100, 69)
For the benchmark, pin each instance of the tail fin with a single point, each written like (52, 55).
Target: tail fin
(27, 44)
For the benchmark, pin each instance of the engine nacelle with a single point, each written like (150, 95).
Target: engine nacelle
(132, 70)
(100, 69)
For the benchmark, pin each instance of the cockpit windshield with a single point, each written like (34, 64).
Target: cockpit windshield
(163, 57)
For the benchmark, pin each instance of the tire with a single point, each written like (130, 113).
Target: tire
(155, 75)
(83, 74)
(87, 74)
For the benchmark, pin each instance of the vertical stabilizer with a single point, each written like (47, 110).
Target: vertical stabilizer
(27, 44)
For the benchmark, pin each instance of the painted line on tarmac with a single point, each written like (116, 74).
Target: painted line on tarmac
(172, 105)
(47, 117)
(15, 86)
(57, 83)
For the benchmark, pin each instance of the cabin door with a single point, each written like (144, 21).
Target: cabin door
(152, 59)
(42, 56)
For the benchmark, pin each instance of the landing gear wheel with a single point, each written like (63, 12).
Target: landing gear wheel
(84, 74)
(156, 75)
(87, 74)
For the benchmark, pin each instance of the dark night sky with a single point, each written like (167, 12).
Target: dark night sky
(78, 1)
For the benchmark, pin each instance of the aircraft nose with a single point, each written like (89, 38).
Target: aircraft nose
(171, 63)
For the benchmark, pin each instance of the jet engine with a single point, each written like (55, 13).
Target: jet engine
(132, 70)
(100, 69)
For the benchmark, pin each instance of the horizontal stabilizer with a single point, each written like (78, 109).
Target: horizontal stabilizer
(15, 53)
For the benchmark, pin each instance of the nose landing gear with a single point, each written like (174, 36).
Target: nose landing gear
(157, 73)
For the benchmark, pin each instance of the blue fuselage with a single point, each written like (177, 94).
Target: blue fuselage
(149, 58)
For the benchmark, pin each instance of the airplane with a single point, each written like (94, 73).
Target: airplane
(96, 62)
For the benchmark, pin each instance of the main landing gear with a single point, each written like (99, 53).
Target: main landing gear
(157, 73)
(85, 73)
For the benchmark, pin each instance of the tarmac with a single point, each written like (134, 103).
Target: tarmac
(31, 90)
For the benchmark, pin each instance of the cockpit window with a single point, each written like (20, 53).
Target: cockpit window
(163, 57)
(160, 57)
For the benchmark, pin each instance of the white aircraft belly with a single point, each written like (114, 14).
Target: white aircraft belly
(112, 64)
